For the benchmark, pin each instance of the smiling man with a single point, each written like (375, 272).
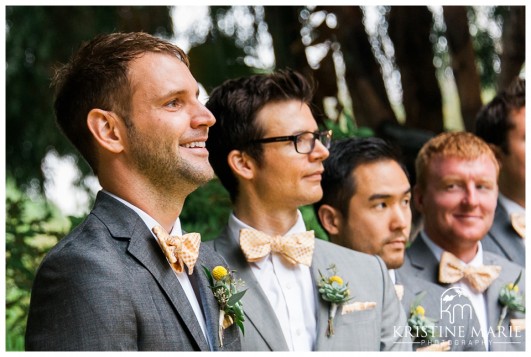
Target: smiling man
(129, 104)
(456, 192)
(268, 152)
(366, 207)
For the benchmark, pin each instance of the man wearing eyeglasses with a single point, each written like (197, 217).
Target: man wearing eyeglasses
(268, 152)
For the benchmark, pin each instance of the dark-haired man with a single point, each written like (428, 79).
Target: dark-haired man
(268, 152)
(366, 207)
(129, 103)
(502, 123)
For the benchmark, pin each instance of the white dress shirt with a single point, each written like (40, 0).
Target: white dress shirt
(289, 289)
(476, 298)
(183, 276)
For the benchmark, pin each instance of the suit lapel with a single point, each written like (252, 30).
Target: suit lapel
(493, 305)
(125, 223)
(208, 302)
(144, 247)
(258, 310)
(322, 342)
(422, 259)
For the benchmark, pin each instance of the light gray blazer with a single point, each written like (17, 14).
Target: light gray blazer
(503, 240)
(107, 286)
(461, 332)
(421, 263)
(368, 278)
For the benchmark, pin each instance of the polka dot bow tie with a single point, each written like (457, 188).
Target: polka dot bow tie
(179, 250)
(296, 248)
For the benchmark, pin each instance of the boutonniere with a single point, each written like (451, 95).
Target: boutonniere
(225, 289)
(422, 327)
(333, 290)
(511, 299)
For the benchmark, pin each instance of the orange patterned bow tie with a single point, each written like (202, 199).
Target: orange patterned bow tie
(452, 270)
(518, 222)
(179, 250)
(295, 248)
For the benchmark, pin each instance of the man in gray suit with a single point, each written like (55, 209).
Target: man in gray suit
(128, 102)
(268, 152)
(366, 207)
(456, 193)
(502, 123)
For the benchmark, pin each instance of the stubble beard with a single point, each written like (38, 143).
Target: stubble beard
(159, 160)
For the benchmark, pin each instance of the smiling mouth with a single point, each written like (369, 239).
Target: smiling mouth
(194, 144)
(467, 216)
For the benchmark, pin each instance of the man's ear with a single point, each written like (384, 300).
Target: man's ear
(105, 127)
(241, 164)
(330, 219)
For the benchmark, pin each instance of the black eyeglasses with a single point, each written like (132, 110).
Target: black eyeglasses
(304, 142)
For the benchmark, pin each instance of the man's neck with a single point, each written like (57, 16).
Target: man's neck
(466, 251)
(163, 207)
(270, 221)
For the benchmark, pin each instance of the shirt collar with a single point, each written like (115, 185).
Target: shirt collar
(148, 220)
(392, 275)
(437, 251)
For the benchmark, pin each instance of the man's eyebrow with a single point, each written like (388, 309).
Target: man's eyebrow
(178, 93)
(380, 196)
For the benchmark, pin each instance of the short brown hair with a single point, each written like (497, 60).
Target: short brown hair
(97, 77)
(462, 145)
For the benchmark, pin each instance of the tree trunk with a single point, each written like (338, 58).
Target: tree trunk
(284, 26)
(363, 74)
(409, 29)
(513, 39)
(463, 63)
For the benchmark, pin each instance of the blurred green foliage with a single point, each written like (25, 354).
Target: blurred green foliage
(32, 228)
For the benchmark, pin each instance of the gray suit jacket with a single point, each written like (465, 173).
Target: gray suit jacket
(461, 332)
(108, 286)
(503, 240)
(369, 330)
(421, 263)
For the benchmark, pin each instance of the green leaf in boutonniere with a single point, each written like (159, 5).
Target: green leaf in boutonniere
(225, 289)
(511, 299)
(422, 327)
(333, 290)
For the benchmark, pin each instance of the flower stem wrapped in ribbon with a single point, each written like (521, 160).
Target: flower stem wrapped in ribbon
(225, 289)
(333, 290)
(511, 299)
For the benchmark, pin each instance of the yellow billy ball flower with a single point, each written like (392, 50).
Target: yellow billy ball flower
(219, 272)
(335, 278)
(513, 287)
(419, 310)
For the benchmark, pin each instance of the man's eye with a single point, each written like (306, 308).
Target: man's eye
(173, 103)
